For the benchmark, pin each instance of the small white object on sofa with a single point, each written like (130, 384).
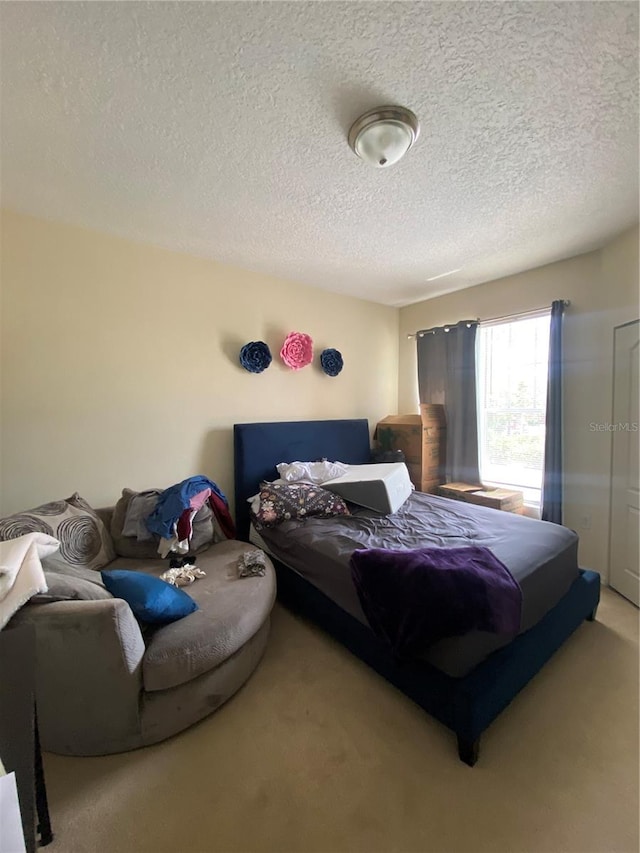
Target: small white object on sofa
(383, 487)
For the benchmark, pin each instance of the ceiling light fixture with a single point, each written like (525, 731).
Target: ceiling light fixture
(442, 274)
(383, 135)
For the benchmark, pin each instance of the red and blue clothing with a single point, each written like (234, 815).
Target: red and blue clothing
(178, 504)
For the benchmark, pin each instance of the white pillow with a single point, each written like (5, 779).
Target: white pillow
(383, 487)
(254, 503)
(311, 472)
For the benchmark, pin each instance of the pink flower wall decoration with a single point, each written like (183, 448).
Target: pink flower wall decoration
(297, 350)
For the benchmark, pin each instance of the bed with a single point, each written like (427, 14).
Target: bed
(463, 692)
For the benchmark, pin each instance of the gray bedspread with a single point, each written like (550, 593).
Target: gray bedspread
(541, 556)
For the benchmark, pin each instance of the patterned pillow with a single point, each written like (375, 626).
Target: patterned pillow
(283, 502)
(84, 540)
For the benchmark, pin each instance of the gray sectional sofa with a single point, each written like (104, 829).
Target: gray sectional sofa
(105, 684)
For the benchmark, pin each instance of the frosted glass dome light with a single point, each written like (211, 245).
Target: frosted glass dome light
(383, 135)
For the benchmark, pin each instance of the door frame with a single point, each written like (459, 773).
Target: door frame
(611, 482)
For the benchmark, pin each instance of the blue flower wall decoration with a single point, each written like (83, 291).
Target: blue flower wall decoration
(331, 361)
(255, 356)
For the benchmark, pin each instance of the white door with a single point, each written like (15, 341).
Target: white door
(624, 555)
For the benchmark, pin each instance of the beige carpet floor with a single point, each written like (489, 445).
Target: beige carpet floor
(318, 753)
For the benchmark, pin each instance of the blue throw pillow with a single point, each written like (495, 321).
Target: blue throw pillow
(151, 599)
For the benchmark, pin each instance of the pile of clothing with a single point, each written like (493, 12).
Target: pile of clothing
(170, 513)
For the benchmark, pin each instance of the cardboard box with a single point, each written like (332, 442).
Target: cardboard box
(422, 440)
(415, 475)
(401, 432)
(459, 491)
(431, 487)
(504, 499)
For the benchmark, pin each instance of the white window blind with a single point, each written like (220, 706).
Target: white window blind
(512, 392)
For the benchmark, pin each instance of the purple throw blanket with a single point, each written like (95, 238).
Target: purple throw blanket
(414, 598)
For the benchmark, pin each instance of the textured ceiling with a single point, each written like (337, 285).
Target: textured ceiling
(219, 129)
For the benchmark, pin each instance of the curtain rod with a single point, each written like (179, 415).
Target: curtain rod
(447, 326)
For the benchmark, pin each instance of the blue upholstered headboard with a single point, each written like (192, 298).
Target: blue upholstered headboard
(258, 448)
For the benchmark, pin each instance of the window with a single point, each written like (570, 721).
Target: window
(512, 397)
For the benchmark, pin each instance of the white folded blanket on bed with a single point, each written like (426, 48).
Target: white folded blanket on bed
(21, 574)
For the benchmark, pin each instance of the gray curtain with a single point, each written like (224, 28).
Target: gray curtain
(552, 482)
(447, 375)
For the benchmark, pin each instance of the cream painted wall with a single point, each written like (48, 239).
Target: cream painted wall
(603, 289)
(120, 362)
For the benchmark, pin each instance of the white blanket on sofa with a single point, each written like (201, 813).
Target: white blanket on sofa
(21, 574)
